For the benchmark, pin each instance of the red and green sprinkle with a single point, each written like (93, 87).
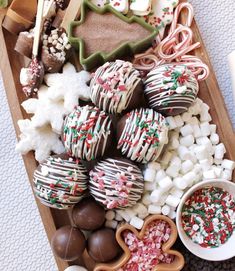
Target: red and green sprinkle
(208, 217)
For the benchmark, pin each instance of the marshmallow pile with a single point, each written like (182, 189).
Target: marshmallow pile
(194, 154)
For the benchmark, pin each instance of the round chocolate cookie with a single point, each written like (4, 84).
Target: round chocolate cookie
(116, 183)
(170, 89)
(60, 182)
(102, 245)
(68, 243)
(142, 134)
(117, 86)
(87, 133)
(88, 215)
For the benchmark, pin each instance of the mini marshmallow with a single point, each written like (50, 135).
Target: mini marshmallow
(228, 164)
(154, 165)
(173, 170)
(218, 161)
(137, 222)
(172, 214)
(131, 212)
(195, 109)
(139, 208)
(213, 128)
(206, 164)
(176, 192)
(111, 224)
(149, 186)
(218, 171)
(165, 159)
(214, 138)
(184, 153)
(201, 152)
(171, 122)
(146, 199)
(187, 140)
(209, 174)
(189, 178)
(205, 116)
(196, 131)
(193, 121)
(162, 200)
(186, 116)
(155, 196)
(180, 183)
(205, 128)
(227, 174)
(173, 144)
(175, 161)
(186, 166)
(144, 215)
(124, 215)
(165, 184)
(186, 130)
(178, 121)
(220, 151)
(110, 215)
(160, 175)
(149, 174)
(154, 209)
(172, 201)
(118, 217)
(166, 210)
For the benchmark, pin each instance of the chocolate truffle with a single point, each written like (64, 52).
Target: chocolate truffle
(142, 134)
(116, 183)
(55, 50)
(60, 182)
(88, 215)
(170, 89)
(24, 43)
(68, 243)
(102, 245)
(87, 133)
(31, 77)
(116, 86)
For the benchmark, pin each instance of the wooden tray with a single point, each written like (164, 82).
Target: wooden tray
(10, 65)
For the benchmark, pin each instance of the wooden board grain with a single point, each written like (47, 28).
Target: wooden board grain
(10, 65)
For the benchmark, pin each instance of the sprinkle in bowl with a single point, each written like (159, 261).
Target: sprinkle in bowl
(205, 220)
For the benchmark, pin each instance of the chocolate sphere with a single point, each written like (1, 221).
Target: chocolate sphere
(87, 133)
(116, 183)
(68, 243)
(102, 245)
(117, 87)
(142, 134)
(170, 89)
(60, 181)
(88, 215)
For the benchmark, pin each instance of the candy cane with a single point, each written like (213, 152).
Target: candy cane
(174, 47)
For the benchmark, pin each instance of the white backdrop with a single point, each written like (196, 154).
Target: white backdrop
(23, 242)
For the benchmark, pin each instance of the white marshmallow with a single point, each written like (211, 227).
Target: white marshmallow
(75, 268)
(218, 161)
(165, 159)
(154, 165)
(205, 128)
(213, 128)
(218, 171)
(144, 215)
(220, 151)
(193, 121)
(173, 170)
(110, 215)
(166, 210)
(178, 121)
(175, 161)
(139, 208)
(172, 214)
(214, 138)
(149, 174)
(146, 199)
(227, 174)
(155, 196)
(137, 222)
(154, 209)
(228, 164)
(206, 164)
(176, 192)
(201, 152)
(186, 116)
(189, 178)
(180, 183)
(186, 130)
(149, 186)
(165, 184)
(184, 153)
(131, 212)
(186, 166)
(196, 131)
(187, 140)
(172, 201)
(209, 174)
(118, 217)
(124, 215)
(171, 122)
(162, 200)
(111, 224)
(160, 175)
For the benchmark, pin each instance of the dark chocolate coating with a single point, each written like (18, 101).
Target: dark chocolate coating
(103, 246)
(51, 63)
(68, 243)
(88, 215)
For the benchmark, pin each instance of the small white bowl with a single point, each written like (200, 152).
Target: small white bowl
(225, 251)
